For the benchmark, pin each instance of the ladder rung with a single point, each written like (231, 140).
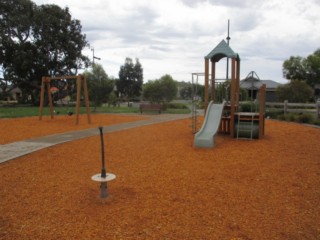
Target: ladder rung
(246, 119)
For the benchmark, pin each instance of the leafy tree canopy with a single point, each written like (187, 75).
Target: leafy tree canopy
(130, 79)
(295, 91)
(305, 69)
(151, 91)
(163, 90)
(189, 90)
(168, 87)
(38, 41)
(99, 85)
(186, 91)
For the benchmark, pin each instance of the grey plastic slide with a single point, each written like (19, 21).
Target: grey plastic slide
(205, 137)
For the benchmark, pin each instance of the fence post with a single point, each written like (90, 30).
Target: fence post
(285, 106)
(318, 108)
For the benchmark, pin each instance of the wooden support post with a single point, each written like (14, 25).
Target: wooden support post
(41, 98)
(86, 97)
(45, 83)
(262, 94)
(48, 80)
(318, 108)
(79, 81)
(213, 80)
(285, 106)
(206, 84)
(238, 82)
(232, 97)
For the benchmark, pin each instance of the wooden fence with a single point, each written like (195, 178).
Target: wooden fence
(296, 107)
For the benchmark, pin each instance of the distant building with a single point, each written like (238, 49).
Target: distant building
(252, 83)
(15, 94)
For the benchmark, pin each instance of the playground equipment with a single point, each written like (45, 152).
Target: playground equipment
(227, 115)
(80, 81)
(222, 93)
(103, 177)
(61, 93)
(204, 138)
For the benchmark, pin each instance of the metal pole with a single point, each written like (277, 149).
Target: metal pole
(103, 186)
(92, 49)
(103, 170)
(94, 57)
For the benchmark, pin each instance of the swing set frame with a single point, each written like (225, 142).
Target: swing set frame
(80, 81)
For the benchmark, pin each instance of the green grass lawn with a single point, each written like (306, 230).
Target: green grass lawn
(28, 111)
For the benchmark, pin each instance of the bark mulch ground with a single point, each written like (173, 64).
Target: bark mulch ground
(165, 188)
(17, 129)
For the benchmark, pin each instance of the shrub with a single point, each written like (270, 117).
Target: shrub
(200, 105)
(281, 117)
(177, 106)
(5, 95)
(274, 113)
(316, 122)
(290, 117)
(249, 107)
(305, 118)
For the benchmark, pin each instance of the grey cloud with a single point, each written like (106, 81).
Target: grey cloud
(158, 48)
(135, 27)
(226, 3)
(233, 3)
(246, 22)
(192, 3)
(136, 30)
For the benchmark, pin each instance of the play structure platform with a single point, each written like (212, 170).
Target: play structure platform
(221, 117)
(247, 125)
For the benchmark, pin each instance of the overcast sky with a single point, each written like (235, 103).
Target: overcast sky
(173, 36)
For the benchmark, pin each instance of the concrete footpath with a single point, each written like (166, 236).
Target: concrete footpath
(17, 149)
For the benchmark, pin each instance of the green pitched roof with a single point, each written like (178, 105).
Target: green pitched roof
(220, 51)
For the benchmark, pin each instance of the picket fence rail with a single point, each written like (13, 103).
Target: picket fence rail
(296, 107)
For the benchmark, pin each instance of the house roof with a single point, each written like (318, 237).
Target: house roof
(220, 51)
(13, 90)
(252, 81)
(16, 90)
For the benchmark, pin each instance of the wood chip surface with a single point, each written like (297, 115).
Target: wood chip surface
(17, 129)
(165, 188)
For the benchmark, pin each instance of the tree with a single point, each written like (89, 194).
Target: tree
(99, 85)
(294, 68)
(161, 90)
(169, 88)
(151, 91)
(313, 68)
(130, 79)
(295, 91)
(185, 90)
(304, 69)
(38, 41)
(15, 29)
(188, 90)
